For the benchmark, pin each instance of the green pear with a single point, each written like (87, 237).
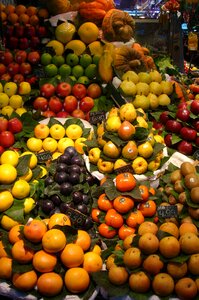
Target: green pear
(142, 88)
(128, 88)
(130, 75)
(141, 101)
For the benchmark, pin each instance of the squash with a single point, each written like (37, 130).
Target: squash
(56, 7)
(118, 25)
(146, 58)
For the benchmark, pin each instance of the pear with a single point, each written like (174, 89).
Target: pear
(114, 111)
(142, 88)
(130, 150)
(141, 101)
(119, 163)
(111, 150)
(153, 100)
(127, 112)
(128, 88)
(155, 76)
(131, 75)
(141, 122)
(126, 130)
(167, 87)
(113, 123)
(144, 77)
(164, 100)
(155, 88)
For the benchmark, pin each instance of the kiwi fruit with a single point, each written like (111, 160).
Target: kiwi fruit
(194, 213)
(194, 194)
(178, 186)
(182, 197)
(191, 180)
(187, 168)
(175, 175)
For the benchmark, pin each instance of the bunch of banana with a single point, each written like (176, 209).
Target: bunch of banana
(105, 67)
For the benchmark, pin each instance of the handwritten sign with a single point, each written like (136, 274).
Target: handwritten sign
(126, 168)
(44, 156)
(170, 211)
(97, 117)
(77, 218)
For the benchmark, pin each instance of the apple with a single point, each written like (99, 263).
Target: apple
(195, 124)
(6, 77)
(19, 30)
(185, 147)
(70, 103)
(164, 117)
(6, 57)
(3, 124)
(30, 31)
(55, 104)
(194, 107)
(25, 68)
(78, 113)
(34, 42)
(168, 140)
(40, 103)
(15, 125)
(183, 114)
(188, 133)
(62, 114)
(24, 88)
(94, 90)
(182, 104)
(86, 104)
(32, 79)
(23, 43)
(79, 90)
(197, 141)
(49, 114)
(173, 126)
(41, 131)
(63, 89)
(13, 68)
(47, 90)
(20, 56)
(7, 139)
(41, 31)
(126, 130)
(33, 57)
(3, 69)
(158, 126)
(1, 149)
(9, 30)
(13, 42)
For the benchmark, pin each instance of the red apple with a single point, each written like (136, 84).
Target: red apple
(30, 31)
(34, 42)
(197, 141)
(182, 104)
(70, 103)
(164, 117)
(23, 43)
(15, 125)
(1, 150)
(3, 69)
(6, 77)
(168, 140)
(47, 90)
(79, 90)
(188, 133)
(194, 107)
(183, 114)
(185, 147)
(25, 68)
(55, 104)
(19, 30)
(3, 124)
(20, 56)
(18, 78)
(7, 139)
(32, 79)
(13, 68)
(173, 126)
(63, 89)
(48, 114)
(195, 124)
(33, 57)
(9, 30)
(41, 31)
(94, 90)
(13, 42)
(86, 104)
(40, 103)
(78, 113)
(62, 114)
(6, 57)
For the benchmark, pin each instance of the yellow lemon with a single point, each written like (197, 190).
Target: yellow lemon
(34, 144)
(8, 174)
(4, 100)
(29, 204)
(33, 159)
(10, 157)
(6, 200)
(27, 176)
(96, 48)
(88, 32)
(16, 101)
(20, 189)
(57, 46)
(10, 88)
(77, 46)
(64, 32)
(7, 223)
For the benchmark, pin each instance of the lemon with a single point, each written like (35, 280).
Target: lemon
(56, 154)
(7, 223)
(57, 46)
(88, 32)
(96, 48)
(34, 144)
(77, 46)
(8, 174)
(74, 131)
(10, 88)
(16, 101)
(4, 100)
(27, 176)
(6, 200)
(29, 204)
(64, 32)
(10, 157)
(49, 144)
(7, 110)
(1, 87)
(20, 111)
(33, 159)
(20, 189)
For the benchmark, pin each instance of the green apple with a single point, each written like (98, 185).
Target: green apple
(46, 59)
(64, 70)
(155, 88)
(141, 101)
(58, 60)
(51, 70)
(128, 88)
(131, 75)
(142, 88)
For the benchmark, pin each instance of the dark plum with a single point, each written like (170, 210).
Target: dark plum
(83, 169)
(88, 224)
(90, 179)
(85, 198)
(64, 207)
(47, 206)
(48, 181)
(74, 169)
(77, 197)
(66, 188)
(64, 158)
(56, 200)
(74, 178)
(61, 177)
(82, 208)
(77, 160)
(71, 151)
(62, 167)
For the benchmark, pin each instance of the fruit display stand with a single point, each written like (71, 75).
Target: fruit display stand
(98, 167)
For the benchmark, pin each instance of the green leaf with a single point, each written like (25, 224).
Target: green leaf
(141, 134)
(113, 137)
(23, 164)
(16, 211)
(21, 268)
(158, 147)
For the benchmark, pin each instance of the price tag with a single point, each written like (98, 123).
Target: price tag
(170, 211)
(44, 156)
(96, 117)
(125, 169)
(196, 155)
(77, 218)
(39, 72)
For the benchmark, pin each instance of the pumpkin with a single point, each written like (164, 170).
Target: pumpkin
(118, 25)
(56, 7)
(146, 58)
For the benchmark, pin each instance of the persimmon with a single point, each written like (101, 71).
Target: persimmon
(125, 182)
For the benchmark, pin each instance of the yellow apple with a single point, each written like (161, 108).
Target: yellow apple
(127, 112)
(139, 165)
(10, 88)
(140, 112)
(119, 163)
(80, 145)
(50, 144)
(34, 144)
(57, 131)
(41, 131)
(4, 100)
(56, 154)
(145, 149)
(167, 87)
(24, 88)
(130, 150)
(94, 155)
(74, 131)
(164, 100)
(105, 166)
(153, 165)
(7, 110)
(20, 111)
(63, 143)
(113, 123)
(111, 150)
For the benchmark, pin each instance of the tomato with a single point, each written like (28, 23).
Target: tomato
(125, 231)
(135, 218)
(95, 215)
(148, 208)
(104, 203)
(113, 218)
(123, 204)
(125, 182)
(106, 231)
(144, 191)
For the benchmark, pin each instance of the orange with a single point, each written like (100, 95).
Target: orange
(92, 262)
(147, 226)
(176, 270)
(44, 262)
(187, 227)
(14, 233)
(24, 18)
(72, 255)
(139, 282)
(9, 9)
(34, 20)
(170, 227)
(189, 243)
(5, 267)
(43, 13)
(117, 275)
(163, 284)
(153, 264)
(169, 246)
(21, 253)
(25, 281)
(34, 230)
(148, 243)
(110, 261)
(20, 9)
(186, 288)
(58, 219)
(127, 243)
(132, 257)
(49, 284)
(13, 18)
(31, 10)
(83, 239)
(54, 240)
(3, 16)
(77, 280)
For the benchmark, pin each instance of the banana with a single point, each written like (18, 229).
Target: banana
(105, 68)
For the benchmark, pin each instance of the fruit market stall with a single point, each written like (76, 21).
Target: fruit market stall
(99, 145)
